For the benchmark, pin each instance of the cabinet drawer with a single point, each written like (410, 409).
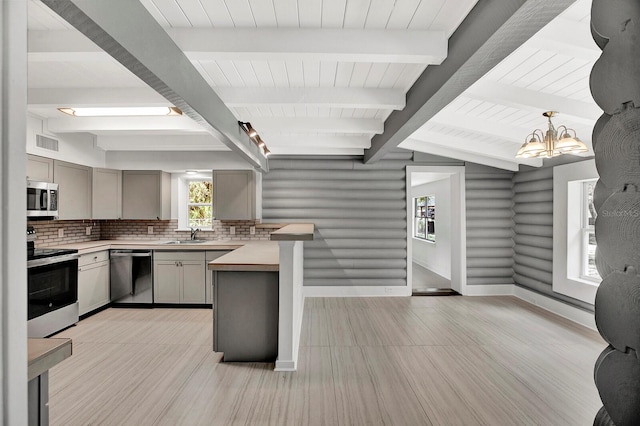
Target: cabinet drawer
(91, 258)
(178, 255)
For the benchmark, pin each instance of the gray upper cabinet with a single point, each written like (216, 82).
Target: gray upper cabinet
(234, 195)
(146, 194)
(107, 194)
(39, 168)
(74, 190)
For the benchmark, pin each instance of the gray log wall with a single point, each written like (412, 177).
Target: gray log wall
(489, 225)
(359, 212)
(533, 233)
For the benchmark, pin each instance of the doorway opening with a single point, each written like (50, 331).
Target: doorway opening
(436, 248)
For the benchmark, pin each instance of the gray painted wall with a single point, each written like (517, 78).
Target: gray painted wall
(533, 233)
(359, 212)
(489, 225)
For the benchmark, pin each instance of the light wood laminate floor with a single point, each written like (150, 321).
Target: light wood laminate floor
(404, 361)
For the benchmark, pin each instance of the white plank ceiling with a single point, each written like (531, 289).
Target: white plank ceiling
(319, 76)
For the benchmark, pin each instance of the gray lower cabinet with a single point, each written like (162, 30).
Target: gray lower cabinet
(38, 400)
(245, 315)
(179, 277)
(208, 291)
(74, 190)
(93, 281)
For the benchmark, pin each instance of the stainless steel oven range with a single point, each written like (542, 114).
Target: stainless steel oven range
(52, 288)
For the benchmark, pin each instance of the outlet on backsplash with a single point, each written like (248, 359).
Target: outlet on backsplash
(252, 230)
(88, 230)
(60, 232)
(232, 230)
(150, 230)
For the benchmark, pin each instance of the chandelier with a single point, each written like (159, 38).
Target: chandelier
(546, 145)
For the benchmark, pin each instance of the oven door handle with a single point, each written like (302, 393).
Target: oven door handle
(51, 260)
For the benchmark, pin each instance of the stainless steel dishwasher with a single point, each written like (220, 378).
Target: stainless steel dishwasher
(131, 278)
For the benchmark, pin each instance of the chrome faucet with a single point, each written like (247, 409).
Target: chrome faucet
(193, 233)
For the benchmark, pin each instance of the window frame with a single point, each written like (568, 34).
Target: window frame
(586, 230)
(426, 213)
(184, 201)
(567, 235)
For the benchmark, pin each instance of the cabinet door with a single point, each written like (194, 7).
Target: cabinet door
(193, 282)
(234, 195)
(107, 194)
(93, 286)
(146, 194)
(166, 282)
(39, 168)
(74, 190)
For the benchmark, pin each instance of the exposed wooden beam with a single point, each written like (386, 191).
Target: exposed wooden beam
(315, 150)
(475, 147)
(454, 153)
(126, 31)
(95, 97)
(330, 97)
(325, 141)
(122, 124)
(481, 126)
(203, 142)
(534, 101)
(489, 33)
(315, 125)
(210, 44)
(233, 97)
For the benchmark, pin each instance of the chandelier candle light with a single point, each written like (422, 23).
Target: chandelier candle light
(547, 145)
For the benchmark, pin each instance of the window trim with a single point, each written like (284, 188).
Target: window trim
(565, 256)
(183, 202)
(426, 218)
(585, 230)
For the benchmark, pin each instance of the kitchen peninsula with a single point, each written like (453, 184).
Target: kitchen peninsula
(264, 280)
(279, 261)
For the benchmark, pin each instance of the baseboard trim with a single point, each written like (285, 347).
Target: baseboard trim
(562, 309)
(285, 366)
(489, 290)
(356, 291)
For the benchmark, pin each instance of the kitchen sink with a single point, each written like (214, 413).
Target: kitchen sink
(185, 242)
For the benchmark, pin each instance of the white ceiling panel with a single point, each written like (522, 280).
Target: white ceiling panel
(40, 17)
(264, 13)
(310, 13)
(324, 95)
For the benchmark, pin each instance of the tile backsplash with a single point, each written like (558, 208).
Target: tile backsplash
(74, 231)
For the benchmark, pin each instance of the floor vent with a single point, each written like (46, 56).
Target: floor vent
(46, 143)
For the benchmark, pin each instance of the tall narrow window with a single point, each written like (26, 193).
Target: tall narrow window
(588, 267)
(199, 205)
(424, 224)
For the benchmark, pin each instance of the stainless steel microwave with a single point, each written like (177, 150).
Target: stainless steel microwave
(42, 199)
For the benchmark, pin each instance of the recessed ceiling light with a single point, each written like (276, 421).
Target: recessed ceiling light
(120, 111)
(191, 172)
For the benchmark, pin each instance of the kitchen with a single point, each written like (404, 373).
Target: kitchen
(91, 145)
